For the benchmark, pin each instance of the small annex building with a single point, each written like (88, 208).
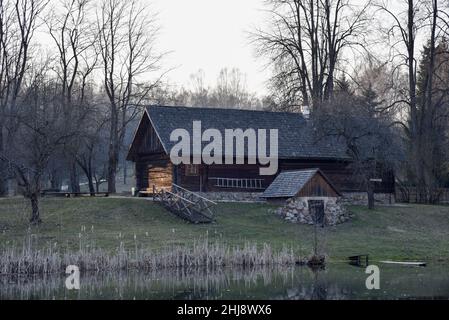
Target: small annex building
(308, 197)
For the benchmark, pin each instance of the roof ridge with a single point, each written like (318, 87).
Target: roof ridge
(301, 170)
(227, 109)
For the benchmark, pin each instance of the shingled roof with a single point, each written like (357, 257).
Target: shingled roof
(289, 183)
(297, 138)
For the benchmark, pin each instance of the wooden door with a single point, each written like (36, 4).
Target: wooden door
(316, 208)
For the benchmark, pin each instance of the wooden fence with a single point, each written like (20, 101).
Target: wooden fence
(410, 195)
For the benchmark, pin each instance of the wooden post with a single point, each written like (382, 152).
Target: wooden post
(371, 192)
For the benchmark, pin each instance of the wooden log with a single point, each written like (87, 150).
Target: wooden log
(412, 264)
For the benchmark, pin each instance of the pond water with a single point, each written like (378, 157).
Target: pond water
(336, 282)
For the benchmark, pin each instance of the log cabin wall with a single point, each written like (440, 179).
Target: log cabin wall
(154, 172)
(159, 170)
(189, 181)
(341, 175)
(142, 183)
(206, 180)
(160, 175)
(240, 172)
(338, 173)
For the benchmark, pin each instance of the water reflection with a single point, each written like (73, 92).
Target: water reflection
(336, 282)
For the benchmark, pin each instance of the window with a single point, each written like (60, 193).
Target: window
(192, 170)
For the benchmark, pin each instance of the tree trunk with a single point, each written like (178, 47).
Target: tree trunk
(125, 172)
(35, 213)
(113, 151)
(55, 180)
(90, 179)
(91, 184)
(3, 182)
(97, 184)
(112, 172)
(371, 200)
(112, 169)
(74, 178)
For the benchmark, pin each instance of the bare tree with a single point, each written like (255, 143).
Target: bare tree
(363, 125)
(306, 42)
(18, 23)
(231, 90)
(126, 44)
(199, 93)
(74, 37)
(91, 156)
(40, 134)
(419, 19)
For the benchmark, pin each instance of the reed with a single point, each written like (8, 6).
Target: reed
(30, 260)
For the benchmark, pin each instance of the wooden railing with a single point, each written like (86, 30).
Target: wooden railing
(202, 204)
(174, 201)
(186, 204)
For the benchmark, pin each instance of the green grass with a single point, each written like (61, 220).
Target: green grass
(410, 233)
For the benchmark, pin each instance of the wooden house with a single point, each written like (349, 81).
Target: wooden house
(299, 149)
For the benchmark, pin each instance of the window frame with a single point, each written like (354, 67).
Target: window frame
(192, 170)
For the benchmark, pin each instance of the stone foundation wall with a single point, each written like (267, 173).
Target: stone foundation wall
(297, 211)
(361, 198)
(233, 196)
(349, 198)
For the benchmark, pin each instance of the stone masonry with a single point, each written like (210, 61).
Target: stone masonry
(297, 210)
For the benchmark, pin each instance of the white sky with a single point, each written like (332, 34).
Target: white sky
(210, 35)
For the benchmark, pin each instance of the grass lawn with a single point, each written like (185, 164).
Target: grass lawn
(410, 232)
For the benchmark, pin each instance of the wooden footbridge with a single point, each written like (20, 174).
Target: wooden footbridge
(185, 204)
